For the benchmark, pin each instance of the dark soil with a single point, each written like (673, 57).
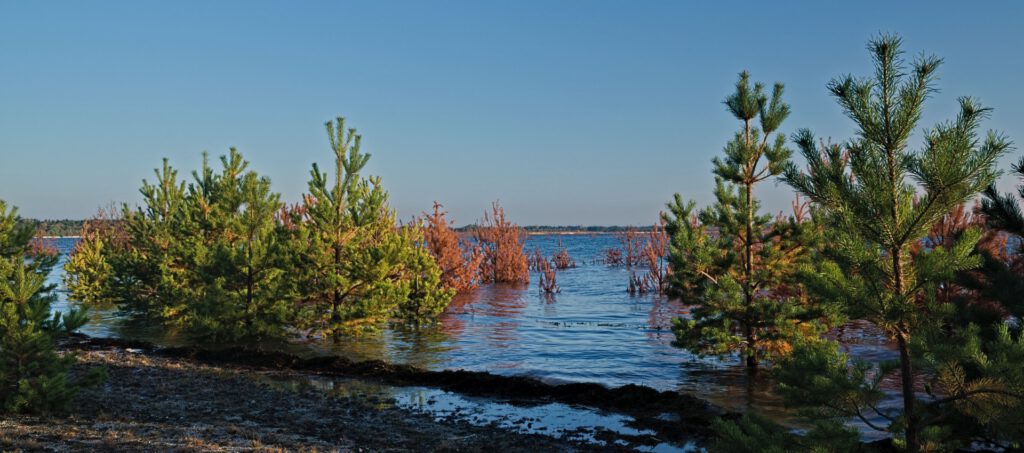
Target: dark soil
(154, 403)
(187, 399)
(675, 417)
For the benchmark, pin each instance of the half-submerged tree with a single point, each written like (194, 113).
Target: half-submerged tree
(741, 281)
(458, 259)
(223, 259)
(505, 260)
(880, 201)
(207, 258)
(33, 376)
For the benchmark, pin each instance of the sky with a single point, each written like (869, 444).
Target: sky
(568, 112)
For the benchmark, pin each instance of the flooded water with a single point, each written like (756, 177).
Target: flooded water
(592, 331)
(551, 419)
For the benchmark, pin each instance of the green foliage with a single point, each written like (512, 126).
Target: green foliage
(221, 258)
(742, 279)
(880, 199)
(1003, 270)
(358, 269)
(753, 433)
(33, 376)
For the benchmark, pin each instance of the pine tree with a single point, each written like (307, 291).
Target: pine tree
(880, 199)
(361, 269)
(33, 376)
(736, 280)
(238, 254)
(1003, 269)
(222, 259)
(207, 257)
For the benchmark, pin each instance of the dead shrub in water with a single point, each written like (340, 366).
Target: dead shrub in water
(548, 281)
(536, 260)
(652, 255)
(632, 244)
(613, 257)
(561, 259)
(637, 285)
(458, 259)
(501, 241)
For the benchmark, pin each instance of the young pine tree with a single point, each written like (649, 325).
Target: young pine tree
(207, 257)
(239, 253)
(735, 279)
(33, 376)
(880, 202)
(359, 268)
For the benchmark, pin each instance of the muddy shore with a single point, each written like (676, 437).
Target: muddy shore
(195, 400)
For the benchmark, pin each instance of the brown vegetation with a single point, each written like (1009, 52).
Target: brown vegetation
(654, 253)
(548, 280)
(652, 256)
(561, 258)
(613, 257)
(632, 244)
(458, 259)
(501, 242)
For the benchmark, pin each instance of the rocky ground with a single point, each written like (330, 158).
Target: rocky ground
(155, 403)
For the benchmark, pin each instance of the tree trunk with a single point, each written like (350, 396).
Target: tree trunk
(906, 367)
(907, 378)
(748, 270)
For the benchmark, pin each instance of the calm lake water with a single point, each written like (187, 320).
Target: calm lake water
(593, 331)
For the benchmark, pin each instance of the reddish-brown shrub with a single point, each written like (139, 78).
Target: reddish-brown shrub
(458, 259)
(501, 242)
(655, 252)
(633, 246)
(637, 285)
(613, 257)
(548, 281)
(561, 258)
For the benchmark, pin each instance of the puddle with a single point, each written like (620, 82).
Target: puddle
(550, 419)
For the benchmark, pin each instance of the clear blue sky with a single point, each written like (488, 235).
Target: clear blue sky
(569, 112)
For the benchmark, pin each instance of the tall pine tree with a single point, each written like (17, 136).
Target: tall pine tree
(741, 280)
(880, 201)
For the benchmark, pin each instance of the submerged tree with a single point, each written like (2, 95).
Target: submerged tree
(880, 200)
(505, 260)
(33, 376)
(458, 259)
(735, 279)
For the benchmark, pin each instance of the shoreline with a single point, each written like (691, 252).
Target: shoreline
(153, 392)
(154, 403)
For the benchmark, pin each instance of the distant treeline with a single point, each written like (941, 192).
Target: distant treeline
(62, 227)
(70, 227)
(572, 229)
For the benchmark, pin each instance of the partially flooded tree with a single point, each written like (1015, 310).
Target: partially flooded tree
(879, 204)
(359, 268)
(502, 241)
(223, 258)
(458, 259)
